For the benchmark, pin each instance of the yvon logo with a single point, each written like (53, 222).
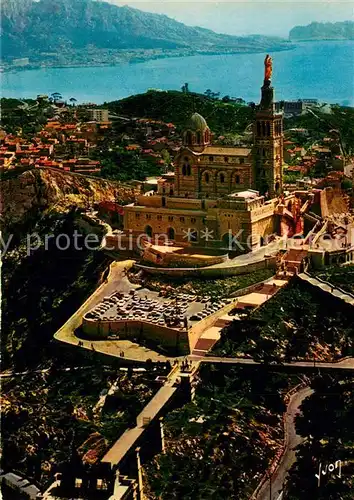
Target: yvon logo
(329, 468)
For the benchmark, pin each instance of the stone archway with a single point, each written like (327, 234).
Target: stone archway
(170, 233)
(148, 231)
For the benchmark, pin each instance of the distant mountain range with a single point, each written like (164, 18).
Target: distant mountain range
(323, 31)
(79, 30)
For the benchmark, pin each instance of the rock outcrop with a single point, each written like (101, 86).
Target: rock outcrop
(30, 193)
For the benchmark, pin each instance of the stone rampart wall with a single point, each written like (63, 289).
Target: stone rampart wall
(171, 339)
(210, 272)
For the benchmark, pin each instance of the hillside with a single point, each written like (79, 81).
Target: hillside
(27, 196)
(323, 31)
(177, 107)
(42, 288)
(79, 30)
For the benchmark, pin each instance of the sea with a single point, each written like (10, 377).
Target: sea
(321, 70)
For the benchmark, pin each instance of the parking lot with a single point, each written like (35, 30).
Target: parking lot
(180, 311)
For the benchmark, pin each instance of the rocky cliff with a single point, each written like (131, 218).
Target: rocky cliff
(26, 196)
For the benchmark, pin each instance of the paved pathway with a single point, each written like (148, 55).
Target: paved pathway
(292, 440)
(336, 292)
(11, 374)
(117, 280)
(346, 364)
(129, 438)
(254, 299)
(232, 266)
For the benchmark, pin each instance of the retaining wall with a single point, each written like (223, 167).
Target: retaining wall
(173, 340)
(210, 272)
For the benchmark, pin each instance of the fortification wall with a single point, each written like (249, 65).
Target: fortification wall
(183, 259)
(171, 339)
(210, 272)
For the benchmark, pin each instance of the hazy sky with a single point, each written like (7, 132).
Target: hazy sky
(250, 16)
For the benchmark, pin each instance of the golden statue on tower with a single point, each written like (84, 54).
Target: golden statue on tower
(268, 67)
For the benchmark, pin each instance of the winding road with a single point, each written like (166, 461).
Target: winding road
(292, 440)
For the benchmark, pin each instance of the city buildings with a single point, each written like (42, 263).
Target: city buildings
(99, 115)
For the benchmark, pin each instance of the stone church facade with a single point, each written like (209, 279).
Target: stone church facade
(217, 193)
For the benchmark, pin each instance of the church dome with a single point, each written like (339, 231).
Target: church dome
(197, 133)
(197, 122)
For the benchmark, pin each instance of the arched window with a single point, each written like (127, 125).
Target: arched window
(237, 179)
(171, 233)
(199, 137)
(148, 231)
(189, 138)
(206, 177)
(222, 178)
(186, 169)
(206, 136)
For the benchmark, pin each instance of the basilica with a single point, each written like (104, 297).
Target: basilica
(217, 193)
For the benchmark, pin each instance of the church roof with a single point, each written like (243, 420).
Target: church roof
(196, 122)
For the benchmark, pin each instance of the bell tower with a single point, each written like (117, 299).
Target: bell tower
(268, 140)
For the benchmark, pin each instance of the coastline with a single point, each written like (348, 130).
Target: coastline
(139, 60)
(309, 40)
(230, 74)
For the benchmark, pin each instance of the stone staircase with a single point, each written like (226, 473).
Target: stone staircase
(292, 261)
